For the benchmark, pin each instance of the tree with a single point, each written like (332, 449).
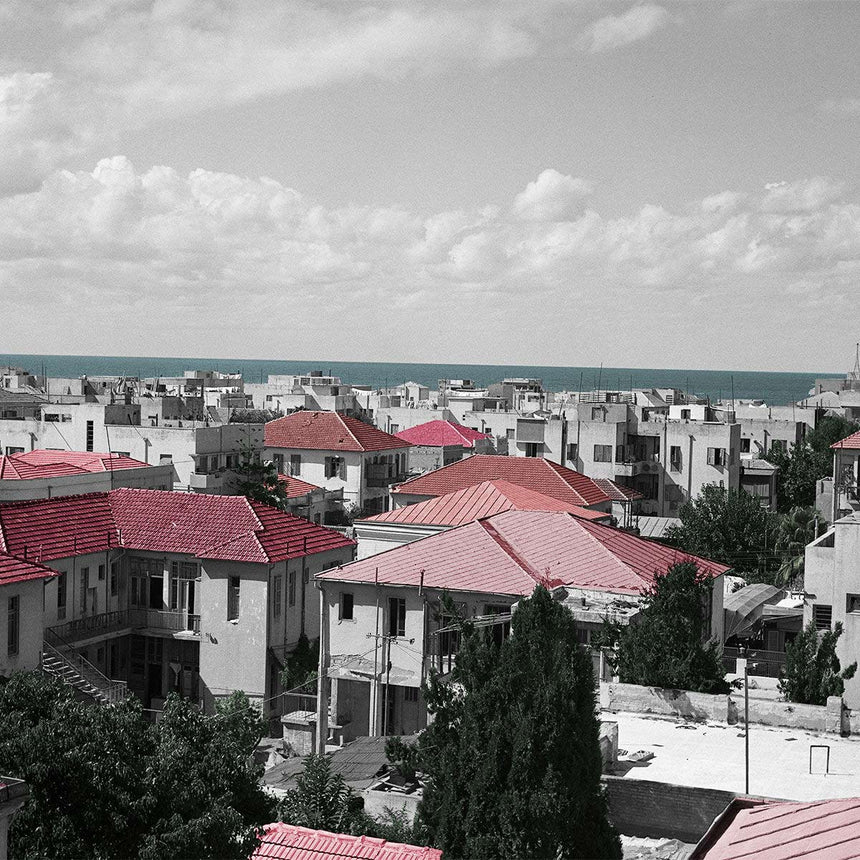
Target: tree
(812, 670)
(105, 782)
(727, 526)
(669, 646)
(520, 780)
(796, 529)
(302, 665)
(259, 480)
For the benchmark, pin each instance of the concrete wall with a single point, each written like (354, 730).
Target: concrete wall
(426, 458)
(674, 703)
(30, 625)
(152, 478)
(376, 537)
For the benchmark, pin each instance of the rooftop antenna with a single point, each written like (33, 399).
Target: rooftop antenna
(599, 381)
(732, 377)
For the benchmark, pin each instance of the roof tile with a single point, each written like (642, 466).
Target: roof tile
(440, 433)
(328, 431)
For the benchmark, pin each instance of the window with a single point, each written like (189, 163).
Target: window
(165, 459)
(346, 610)
(602, 453)
(510, 434)
(13, 625)
(295, 464)
(89, 435)
(410, 694)
(822, 615)
(685, 414)
(572, 451)
(717, 457)
(745, 446)
(61, 596)
(675, 458)
(233, 584)
(532, 449)
(101, 573)
(396, 616)
(291, 588)
(85, 583)
(278, 460)
(852, 602)
(777, 445)
(202, 465)
(114, 586)
(12, 449)
(335, 467)
(277, 595)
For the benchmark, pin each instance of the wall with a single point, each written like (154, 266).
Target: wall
(376, 537)
(151, 478)
(30, 625)
(676, 703)
(425, 458)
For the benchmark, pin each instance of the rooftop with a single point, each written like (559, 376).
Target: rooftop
(288, 842)
(511, 552)
(533, 473)
(441, 433)
(55, 464)
(230, 528)
(479, 501)
(851, 442)
(328, 431)
(13, 570)
(618, 492)
(295, 487)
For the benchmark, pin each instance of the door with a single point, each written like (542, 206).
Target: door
(186, 601)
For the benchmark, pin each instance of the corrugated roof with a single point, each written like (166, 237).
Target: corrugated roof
(480, 500)
(54, 464)
(440, 433)
(509, 552)
(14, 569)
(287, 842)
(826, 830)
(327, 431)
(230, 528)
(850, 442)
(533, 473)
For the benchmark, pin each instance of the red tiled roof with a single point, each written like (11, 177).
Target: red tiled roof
(295, 487)
(851, 442)
(534, 473)
(478, 501)
(14, 569)
(288, 842)
(618, 492)
(54, 464)
(439, 433)
(327, 431)
(824, 830)
(509, 552)
(230, 528)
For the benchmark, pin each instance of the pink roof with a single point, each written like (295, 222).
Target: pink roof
(851, 442)
(618, 492)
(14, 569)
(54, 464)
(439, 433)
(231, 528)
(509, 552)
(479, 501)
(825, 830)
(327, 431)
(534, 473)
(295, 487)
(288, 842)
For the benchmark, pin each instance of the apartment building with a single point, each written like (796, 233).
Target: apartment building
(152, 592)
(313, 391)
(338, 452)
(388, 625)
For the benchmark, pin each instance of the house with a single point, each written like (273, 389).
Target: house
(439, 443)
(387, 623)
(536, 474)
(22, 584)
(43, 474)
(163, 591)
(312, 502)
(338, 452)
(403, 525)
(280, 841)
(846, 476)
(311, 390)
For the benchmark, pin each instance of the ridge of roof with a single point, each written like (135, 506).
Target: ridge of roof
(537, 576)
(320, 430)
(14, 569)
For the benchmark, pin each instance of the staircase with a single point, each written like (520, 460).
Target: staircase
(62, 661)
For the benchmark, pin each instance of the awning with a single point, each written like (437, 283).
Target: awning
(745, 606)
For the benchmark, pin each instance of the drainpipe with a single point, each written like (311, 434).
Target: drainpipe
(690, 472)
(322, 675)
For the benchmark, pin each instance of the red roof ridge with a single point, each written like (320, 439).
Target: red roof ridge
(852, 439)
(348, 429)
(537, 576)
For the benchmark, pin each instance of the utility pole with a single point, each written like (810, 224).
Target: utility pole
(746, 727)
(322, 675)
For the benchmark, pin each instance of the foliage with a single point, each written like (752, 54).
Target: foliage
(727, 526)
(521, 780)
(258, 479)
(254, 416)
(796, 529)
(805, 463)
(105, 782)
(404, 757)
(302, 665)
(668, 646)
(812, 670)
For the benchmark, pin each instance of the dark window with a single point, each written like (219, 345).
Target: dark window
(852, 602)
(745, 446)
(572, 451)
(410, 694)
(277, 595)
(13, 625)
(346, 606)
(89, 435)
(685, 414)
(822, 615)
(61, 596)
(596, 413)
(295, 464)
(675, 458)
(291, 588)
(101, 573)
(716, 457)
(233, 584)
(396, 616)
(85, 584)
(532, 449)
(335, 467)
(602, 453)
(114, 586)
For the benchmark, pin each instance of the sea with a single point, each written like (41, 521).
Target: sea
(774, 388)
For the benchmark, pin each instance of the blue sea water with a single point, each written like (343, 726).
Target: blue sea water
(774, 388)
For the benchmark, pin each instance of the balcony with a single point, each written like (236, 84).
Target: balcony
(123, 621)
(382, 475)
(636, 463)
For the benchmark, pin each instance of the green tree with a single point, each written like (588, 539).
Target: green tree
(512, 754)
(302, 665)
(796, 529)
(667, 645)
(727, 526)
(258, 479)
(105, 782)
(812, 670)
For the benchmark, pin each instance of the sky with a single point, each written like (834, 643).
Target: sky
(656, 184)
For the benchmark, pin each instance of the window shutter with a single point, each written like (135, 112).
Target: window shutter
(341, 469)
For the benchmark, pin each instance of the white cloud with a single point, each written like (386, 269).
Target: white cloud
(615, 31)
(802, 196)
(842, 106)
(551, 197)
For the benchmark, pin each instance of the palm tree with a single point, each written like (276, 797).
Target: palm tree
(796, 529)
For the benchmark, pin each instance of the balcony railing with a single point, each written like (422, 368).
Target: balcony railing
(382, 475)
(105, 623)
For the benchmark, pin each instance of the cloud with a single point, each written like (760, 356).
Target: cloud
(841, 106)
(551, 197)
(615, 31)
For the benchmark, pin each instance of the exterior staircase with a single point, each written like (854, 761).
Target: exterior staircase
(62, 661)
